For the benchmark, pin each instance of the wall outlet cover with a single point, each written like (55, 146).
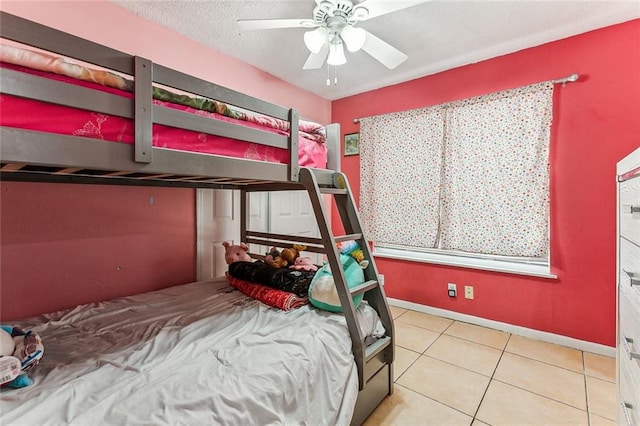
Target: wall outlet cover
(468, 292)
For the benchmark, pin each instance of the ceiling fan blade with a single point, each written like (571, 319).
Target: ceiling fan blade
(388, 55)
(316, 60)
(382, 7)
(270, 24)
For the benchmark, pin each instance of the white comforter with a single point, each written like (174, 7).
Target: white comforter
(201, 353)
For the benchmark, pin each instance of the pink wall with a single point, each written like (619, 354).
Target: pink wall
(65, 244)
(62, 245)
(595, 124)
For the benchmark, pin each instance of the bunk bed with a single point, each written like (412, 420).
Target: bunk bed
(34, 154)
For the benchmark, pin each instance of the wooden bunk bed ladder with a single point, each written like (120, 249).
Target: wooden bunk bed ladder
(369, 359)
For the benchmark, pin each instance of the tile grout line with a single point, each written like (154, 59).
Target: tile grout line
(435, 400)
(416, 360)
(419, 353)
(547, 396)
(491, 379)
(586, 389)
(459, 337)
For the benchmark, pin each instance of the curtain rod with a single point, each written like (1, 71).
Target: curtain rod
(569, 79)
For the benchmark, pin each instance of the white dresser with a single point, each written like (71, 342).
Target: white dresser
(628, 266)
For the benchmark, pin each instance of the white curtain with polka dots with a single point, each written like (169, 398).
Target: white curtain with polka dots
(471, 175)
(401, 163)
(495, 185)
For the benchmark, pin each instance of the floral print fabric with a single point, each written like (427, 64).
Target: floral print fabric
(495, 187)
(471, 175)
(400, 160)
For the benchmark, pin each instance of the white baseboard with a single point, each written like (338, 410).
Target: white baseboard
(544, 336)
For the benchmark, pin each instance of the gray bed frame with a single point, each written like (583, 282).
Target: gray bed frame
(45, 157)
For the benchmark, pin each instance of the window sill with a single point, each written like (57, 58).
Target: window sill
(541, 271)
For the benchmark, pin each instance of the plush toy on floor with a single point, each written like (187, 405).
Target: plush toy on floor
(19, 352)
(236, 253)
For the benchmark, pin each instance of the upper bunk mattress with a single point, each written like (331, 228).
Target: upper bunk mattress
(31, 114)
(200, 353)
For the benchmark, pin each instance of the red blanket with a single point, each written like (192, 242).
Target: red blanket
(270, 296)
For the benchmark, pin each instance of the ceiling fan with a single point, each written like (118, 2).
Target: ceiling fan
(335, 27)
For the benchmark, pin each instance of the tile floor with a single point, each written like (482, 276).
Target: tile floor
(453, 373)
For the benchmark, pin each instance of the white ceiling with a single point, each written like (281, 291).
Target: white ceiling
(436, 35)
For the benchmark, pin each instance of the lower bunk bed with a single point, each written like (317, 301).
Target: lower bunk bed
(170, 357)
(199, 353)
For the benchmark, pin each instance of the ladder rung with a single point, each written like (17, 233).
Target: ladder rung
(376, 347)
(363, 288)
(334, 191)
(349, 237)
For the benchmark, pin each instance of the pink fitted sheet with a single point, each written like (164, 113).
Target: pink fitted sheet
(46, 117)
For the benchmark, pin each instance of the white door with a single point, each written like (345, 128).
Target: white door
(291, 213)
(258, 218)
(218, 220)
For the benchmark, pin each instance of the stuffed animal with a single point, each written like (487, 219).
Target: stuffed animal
(272, 254)
(287, 256)
(236, 253)
(322, 290)
(354, 250)
(303, 264)
(19, 352)
(291, 254)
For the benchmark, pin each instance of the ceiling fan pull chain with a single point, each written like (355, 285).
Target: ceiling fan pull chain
(335, 75)
(328, 75)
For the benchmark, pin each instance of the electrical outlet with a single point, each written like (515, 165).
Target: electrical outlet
(381, 278)
(451, 290)
(468, 292)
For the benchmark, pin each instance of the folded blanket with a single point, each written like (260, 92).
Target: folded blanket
(284, 279)
(59, 65)
(270, 296)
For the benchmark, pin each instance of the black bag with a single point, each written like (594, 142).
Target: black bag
(291, 280)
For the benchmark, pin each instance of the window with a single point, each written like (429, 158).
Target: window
(463, 183)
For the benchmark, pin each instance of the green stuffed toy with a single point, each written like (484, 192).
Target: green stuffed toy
(322, 290)
(354, 250)
(19, 352)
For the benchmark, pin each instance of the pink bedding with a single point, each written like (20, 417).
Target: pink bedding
(35, 115)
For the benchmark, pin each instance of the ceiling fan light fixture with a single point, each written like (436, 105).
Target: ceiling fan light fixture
(353, 37)
(314, 40)
(327, 6)
(360, 13)
(336, 54)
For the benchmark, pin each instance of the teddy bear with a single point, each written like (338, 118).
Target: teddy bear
(287, 256)
(271, 254)
(236, 253)
(19, 352)
(303, 264)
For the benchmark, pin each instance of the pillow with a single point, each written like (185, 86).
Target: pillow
(322, 291)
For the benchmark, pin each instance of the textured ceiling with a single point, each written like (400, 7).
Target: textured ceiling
(436, 35)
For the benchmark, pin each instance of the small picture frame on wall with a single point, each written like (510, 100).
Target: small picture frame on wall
(351, 144)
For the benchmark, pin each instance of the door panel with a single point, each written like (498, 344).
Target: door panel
(218, 221)
(292, 213)
(258, 218)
